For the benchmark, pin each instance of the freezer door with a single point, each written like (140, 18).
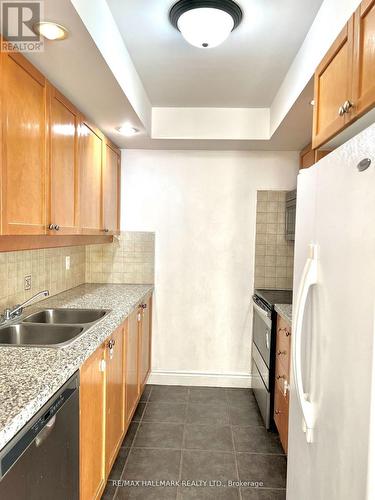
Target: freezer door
(338, 327)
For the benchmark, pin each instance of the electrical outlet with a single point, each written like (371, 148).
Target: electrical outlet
(67, 262)
(27, 282)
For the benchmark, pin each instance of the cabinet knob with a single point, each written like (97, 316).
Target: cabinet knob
(106, 230)
(57, 227)
(111, 344)
(278, 412)
(144, 306)
(278, 377)
(279, 353)
(51, 227)
(341, 111)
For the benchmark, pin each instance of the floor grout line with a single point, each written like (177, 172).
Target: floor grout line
(228, 404)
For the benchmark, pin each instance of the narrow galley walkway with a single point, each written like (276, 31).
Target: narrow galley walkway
(202, 443)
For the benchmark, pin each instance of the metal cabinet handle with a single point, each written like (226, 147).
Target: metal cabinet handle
(284, 353)
(347, 106)
(111, 344)
(341, 111)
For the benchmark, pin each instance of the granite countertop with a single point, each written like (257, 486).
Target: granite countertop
(29, 376)
(285, 310)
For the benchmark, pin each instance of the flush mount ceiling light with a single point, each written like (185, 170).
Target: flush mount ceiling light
(51, 31)
(127, 129)
(205, 23)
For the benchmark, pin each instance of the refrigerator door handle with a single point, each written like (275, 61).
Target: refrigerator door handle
(309, 278)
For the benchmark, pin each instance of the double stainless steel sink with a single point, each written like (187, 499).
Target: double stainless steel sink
(50, 327)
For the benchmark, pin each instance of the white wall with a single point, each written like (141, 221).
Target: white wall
(202, 206)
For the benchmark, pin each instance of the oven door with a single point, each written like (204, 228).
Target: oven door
(260, 385)
(262, 329)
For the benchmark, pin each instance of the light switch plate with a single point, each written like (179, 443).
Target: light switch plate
(67, 262)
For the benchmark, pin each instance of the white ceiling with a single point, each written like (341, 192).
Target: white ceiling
(246, 71)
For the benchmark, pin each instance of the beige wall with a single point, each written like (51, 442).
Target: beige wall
(202, 207)
(273, 253)
(129, 259)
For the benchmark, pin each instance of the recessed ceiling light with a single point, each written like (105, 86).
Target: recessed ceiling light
(127, 129)
(51, 31)
(205, 23)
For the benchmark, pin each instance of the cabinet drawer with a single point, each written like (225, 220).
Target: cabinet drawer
(282, 376)
(281, 416)
(283, 347)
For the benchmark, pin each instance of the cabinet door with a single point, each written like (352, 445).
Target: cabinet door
(333, 88)
(111, 189)
(132, 376)
(92, 426)
(63, 201)
(115, 394)
(90, 179)
(145, 341)
(364, 57)
(24, 125)
(281, 416)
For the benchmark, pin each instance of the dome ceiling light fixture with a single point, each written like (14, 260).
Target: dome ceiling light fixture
(205, 23)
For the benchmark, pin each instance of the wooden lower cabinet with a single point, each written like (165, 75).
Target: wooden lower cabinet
(92, 426)
(115, 396)
(111, 385)
(282, 374)
(132, 363)
(145, 342)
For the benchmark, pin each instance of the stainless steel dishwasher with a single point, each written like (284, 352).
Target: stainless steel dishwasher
(42, 461)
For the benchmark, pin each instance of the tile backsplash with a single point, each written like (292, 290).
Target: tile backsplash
(46, 268)
(273, 253)
(129, 259)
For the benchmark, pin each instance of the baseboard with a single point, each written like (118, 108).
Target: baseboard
(161, 377)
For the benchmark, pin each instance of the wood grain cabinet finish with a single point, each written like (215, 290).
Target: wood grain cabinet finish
(145, 341)
(63, 159)
(282, 374)
(92, 426)
(59, 174)
(115, 395)
(90, 178)
(132, 376)
(345, 79)
(110, 390)
(111, 188)
(24, 146)
(364, 58)
(333, 87)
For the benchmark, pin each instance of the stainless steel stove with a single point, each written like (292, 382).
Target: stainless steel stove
(263, 348)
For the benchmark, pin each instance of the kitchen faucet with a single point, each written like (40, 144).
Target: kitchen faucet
(10, 314)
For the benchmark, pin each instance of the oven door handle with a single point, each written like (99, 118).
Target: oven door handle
(309, 278)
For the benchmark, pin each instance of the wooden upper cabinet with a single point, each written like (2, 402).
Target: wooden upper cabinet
(115, 396)
(145, 342)
(364, 57)
(63, 200)
(90, 178)
(92, 426)
(111, 188)
(24, 131)
(333, 88)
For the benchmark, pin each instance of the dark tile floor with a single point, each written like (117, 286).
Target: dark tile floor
(204, 435)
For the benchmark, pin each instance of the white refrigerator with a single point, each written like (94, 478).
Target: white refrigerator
(332, 388)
